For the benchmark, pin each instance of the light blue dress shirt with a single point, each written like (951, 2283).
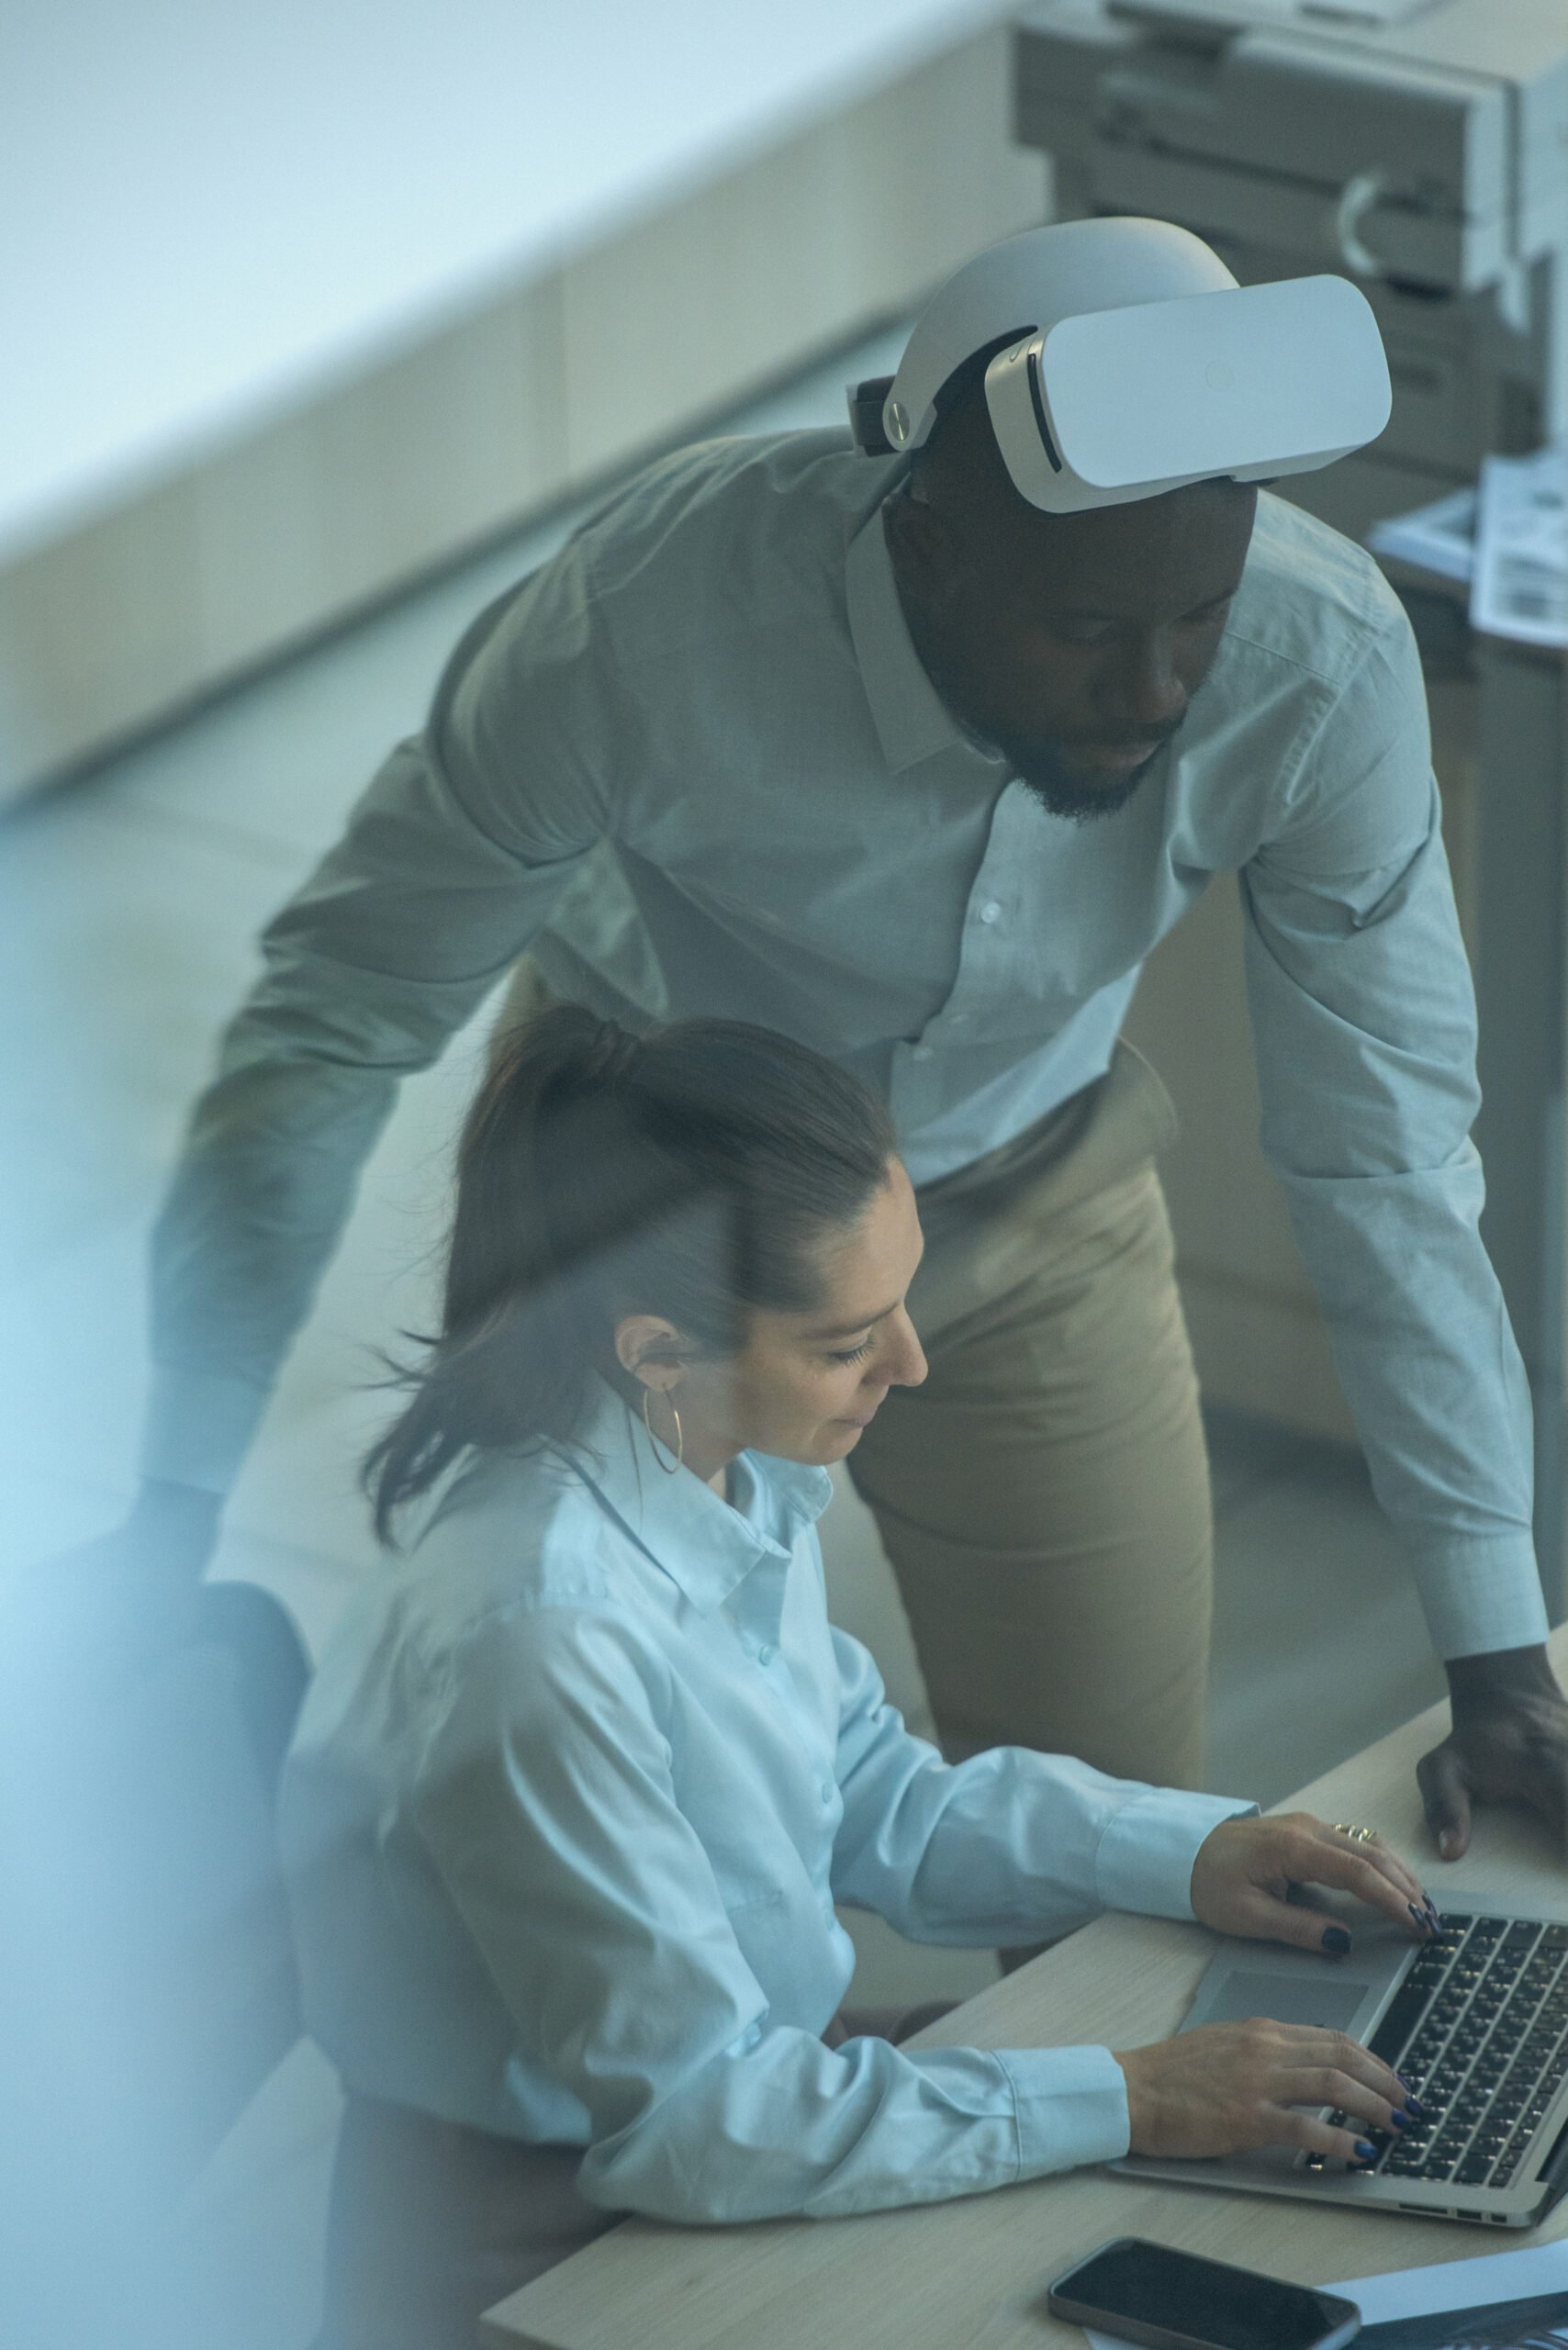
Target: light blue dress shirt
(574, 1792)
(695, 764)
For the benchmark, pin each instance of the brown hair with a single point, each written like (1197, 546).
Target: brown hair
(693, 1174)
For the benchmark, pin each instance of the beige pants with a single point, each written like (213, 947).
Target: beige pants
(1044, 1498)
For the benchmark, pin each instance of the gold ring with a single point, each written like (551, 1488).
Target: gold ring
(1356, 1835)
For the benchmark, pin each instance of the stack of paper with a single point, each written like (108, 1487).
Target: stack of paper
(1520, 587)
(1439, 538)
(1509, 542)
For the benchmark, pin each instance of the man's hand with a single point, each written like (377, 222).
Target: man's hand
(1508, 1744)
(1246, 1870)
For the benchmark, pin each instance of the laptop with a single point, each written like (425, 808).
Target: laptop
(1476, 2019)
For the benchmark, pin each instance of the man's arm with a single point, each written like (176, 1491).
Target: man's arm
(450, 865)
(1364, 1019)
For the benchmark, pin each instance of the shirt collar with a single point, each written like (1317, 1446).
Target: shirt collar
(704, 1545)
(911, 719)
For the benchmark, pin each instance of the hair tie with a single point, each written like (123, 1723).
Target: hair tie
(613, 1056)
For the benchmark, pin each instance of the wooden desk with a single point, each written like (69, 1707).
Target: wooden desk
(970, 2275)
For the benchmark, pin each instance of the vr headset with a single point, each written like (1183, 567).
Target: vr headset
(1125, 361)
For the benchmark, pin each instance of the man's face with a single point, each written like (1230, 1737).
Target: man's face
(1073, 644)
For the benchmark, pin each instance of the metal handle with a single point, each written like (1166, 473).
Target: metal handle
(1357, 197)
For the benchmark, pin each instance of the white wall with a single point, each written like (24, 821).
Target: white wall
(309, 295)
(218, 203)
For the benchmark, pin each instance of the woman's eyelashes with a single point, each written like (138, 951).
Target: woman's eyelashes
(853, 1354)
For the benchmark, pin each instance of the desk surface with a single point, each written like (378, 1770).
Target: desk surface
(974, 2272)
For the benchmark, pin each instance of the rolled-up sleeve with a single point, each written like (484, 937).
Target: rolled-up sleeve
(451, 861)
(1011, 1846)
(1364, 1018)
(548, 1807)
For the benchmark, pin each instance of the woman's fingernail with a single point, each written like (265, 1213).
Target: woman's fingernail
(1421, 1917)
(1366, 2150)
(1412, 2103)
(1335, 1939)
(1448, 1843)
(1400, 2120)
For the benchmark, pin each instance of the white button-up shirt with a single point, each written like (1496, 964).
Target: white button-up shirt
(695, 764)
(574, 1792)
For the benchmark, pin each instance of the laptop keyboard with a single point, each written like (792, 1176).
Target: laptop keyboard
(1479, 2029)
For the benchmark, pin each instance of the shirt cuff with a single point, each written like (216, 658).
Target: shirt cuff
(1071, 2105)
(1480, 1594)
(1144, 1857)
(198, 1429)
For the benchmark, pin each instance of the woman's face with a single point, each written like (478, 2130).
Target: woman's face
(805, 1386)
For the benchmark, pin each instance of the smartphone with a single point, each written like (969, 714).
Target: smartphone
(1172, 2300)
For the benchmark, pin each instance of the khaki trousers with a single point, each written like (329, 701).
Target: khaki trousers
(1044, 1498)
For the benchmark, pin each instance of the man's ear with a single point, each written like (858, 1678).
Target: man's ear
(928, 551)
(922, 540)
(649, 1349)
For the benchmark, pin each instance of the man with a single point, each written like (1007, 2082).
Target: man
(881, 753)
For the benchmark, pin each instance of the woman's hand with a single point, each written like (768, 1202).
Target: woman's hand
(1226, 2087)
(1246, 1868)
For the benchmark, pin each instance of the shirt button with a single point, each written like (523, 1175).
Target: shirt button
(766, 1653)
(991, 911)
(827, 1791)
(922, 1052)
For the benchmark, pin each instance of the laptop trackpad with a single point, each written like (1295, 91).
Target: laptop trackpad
(1332, 2000)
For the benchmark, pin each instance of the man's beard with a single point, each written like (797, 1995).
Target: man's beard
(1082, 800)
(1040, 769)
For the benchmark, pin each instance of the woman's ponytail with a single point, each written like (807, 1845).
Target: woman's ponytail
(691, 1173)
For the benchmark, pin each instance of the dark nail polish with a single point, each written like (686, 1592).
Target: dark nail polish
(1335, 1939)
(1366, 2150)
(1412, 2103)
(1401, 2120)
(1422, 1917)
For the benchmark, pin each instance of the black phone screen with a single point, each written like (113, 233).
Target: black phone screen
(1206, 2299)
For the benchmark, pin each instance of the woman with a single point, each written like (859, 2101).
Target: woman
(578, 1788)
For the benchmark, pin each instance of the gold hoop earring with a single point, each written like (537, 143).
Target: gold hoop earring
(653, 1439)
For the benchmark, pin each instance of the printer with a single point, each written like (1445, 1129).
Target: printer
(1420, 147)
